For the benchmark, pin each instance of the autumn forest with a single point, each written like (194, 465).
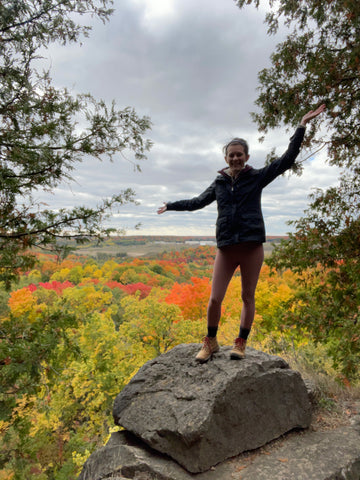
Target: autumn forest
(75, 325)
(78, 329)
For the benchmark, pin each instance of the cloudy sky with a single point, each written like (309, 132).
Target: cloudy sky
(191, 66)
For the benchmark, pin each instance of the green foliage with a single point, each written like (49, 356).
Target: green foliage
(28, 339)
(325, 248)
(318, 62)
(46, 131)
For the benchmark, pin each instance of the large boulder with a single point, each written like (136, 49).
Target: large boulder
(304, 455)
(201, 414)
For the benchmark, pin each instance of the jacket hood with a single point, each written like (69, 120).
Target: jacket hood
(224, 171)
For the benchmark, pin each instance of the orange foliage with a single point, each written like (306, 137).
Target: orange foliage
(48, 267)
(21, 302)
(87, 281)
(192, 298)
(70, 262)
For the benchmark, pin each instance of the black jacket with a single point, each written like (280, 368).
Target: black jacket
(240, 217)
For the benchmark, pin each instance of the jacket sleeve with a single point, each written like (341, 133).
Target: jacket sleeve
(279, 166)
(195, 203)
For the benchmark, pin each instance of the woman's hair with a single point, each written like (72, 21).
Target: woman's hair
(237, 141)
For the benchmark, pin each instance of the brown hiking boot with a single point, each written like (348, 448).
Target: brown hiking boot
(238, 350)
(210, 346)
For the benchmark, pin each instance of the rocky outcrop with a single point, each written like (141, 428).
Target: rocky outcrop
(305, 455)
(185, 394)
(201, 414)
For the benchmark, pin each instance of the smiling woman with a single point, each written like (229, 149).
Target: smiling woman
(240, 230)
(236, 155)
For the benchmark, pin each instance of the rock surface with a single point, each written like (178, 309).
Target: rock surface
(305, 455)
(201, 414)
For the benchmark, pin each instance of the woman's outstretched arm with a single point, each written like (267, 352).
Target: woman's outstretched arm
(283, 163)
(205, 198)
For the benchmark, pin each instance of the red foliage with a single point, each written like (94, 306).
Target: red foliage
(58, 287)
(131, 288)
(114, 284)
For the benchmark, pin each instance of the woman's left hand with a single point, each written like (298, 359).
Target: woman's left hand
(312, 114)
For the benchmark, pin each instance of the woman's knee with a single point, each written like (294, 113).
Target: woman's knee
(215, 302)
(248, 298)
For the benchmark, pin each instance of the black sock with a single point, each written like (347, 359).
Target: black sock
(212, 331)
(244, 333)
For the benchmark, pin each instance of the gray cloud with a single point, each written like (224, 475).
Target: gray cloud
(192, 67)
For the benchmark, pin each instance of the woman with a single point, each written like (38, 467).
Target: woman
(240, 230)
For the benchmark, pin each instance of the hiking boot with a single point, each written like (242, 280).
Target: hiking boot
(238, 350)
(210, 346)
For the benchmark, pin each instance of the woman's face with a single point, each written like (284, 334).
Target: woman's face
(236, 158)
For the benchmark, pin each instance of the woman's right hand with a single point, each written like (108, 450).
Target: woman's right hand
(312, 114)
(162, 209)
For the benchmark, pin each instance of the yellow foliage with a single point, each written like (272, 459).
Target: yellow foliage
(34, 276)
(4, 426)
(107, 269)
(47, 420)
(6, 474)
(150, 322)
(61, 275)
(79, 459)
(22, 302)
(89, 270)
(87, 299)
(22, 406)
(232, 302)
